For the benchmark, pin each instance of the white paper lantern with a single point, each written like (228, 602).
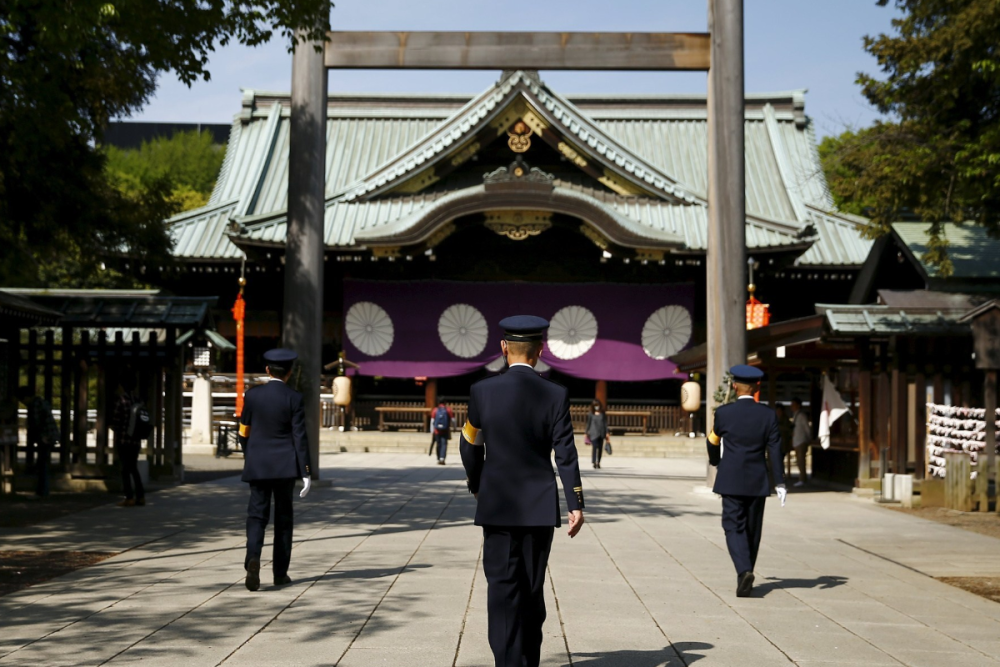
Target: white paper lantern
(691, 396)
(342, 390)
(666, 332)
(369, 328)
(463, 330)
(572, 332)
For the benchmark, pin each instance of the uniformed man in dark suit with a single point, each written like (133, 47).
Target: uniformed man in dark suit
(276, 453)
(516, 420)
(744, 435)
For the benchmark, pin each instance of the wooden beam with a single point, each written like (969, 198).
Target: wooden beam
(641, 51)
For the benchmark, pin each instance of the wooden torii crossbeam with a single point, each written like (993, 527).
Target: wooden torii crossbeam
(518, 50)
(719, 52)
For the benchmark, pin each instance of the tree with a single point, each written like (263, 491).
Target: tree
(66, 68)
(188, 161)
(937, 156)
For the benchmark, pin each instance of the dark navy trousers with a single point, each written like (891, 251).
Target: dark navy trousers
(258, 513)
(743, 519)
(514, 560)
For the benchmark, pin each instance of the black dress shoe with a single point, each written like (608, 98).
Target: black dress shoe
(253, 575)
(282, 581)
(744, 584)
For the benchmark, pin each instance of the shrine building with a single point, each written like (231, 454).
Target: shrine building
(445, 213)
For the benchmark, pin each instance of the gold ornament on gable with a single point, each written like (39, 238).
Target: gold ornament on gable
(519, 137)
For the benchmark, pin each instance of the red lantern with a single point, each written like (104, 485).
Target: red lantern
(758, 314)
(239, 315)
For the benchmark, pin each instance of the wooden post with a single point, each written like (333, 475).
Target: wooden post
(32, 369)
(990, 401)
(302, 322)
(66, 398)
(864, 423)
(101, 424)
(897, 417)
(430, 393)
(957, 485)
(726, 256)
(173, 401)
(50, 337)
(919, 426)
(159, 417)
(601, 392)
(82, 395)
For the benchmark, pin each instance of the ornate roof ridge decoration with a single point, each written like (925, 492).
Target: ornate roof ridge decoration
(518, 225)
(620, 163)
(519, 175)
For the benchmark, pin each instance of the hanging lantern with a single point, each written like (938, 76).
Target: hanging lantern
(342, 390)
(691, 396)
(758, 314)
(239, 315)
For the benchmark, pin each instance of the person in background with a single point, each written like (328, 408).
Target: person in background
(801, 435)
(785, 430)
(597, 432)
(43, 434)
(128, 444)
(442, 431)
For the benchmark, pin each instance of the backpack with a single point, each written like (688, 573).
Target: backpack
(140, 424)
(441, 420)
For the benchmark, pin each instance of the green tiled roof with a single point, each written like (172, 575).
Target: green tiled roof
(658, 141)
(973, 252)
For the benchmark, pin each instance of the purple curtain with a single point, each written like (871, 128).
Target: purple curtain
(442, 329)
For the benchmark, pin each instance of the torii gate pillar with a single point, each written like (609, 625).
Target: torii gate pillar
(726, 256)
(302, 321)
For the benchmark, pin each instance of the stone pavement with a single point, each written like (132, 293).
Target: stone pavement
(387, 572)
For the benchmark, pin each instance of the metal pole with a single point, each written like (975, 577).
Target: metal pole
(302, 323)
(726, 255)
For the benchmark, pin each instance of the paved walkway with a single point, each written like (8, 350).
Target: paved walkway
(387, 572)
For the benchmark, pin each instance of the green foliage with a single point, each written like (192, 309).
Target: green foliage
(188, 161)
(937, 158)
(724, 392)
(66, 68)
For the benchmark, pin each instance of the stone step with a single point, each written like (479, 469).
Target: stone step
(392, 442)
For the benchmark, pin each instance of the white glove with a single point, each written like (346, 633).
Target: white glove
(782, 494)
(307, 484)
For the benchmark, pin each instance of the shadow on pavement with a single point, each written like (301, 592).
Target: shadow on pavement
(676, 655)
(777, 583)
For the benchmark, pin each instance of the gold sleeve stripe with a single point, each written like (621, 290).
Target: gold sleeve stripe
(244, 430)
(470, 432)
(714, 439)
(578, 488)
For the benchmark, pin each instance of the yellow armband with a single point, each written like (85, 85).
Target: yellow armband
(472, 435)
(714, 439)
(244, 430)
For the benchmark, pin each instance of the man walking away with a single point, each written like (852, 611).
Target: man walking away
(275, 454)
(748, 431)
(43, 434)
(516, 421)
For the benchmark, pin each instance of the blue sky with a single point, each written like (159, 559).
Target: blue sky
(790, 44)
